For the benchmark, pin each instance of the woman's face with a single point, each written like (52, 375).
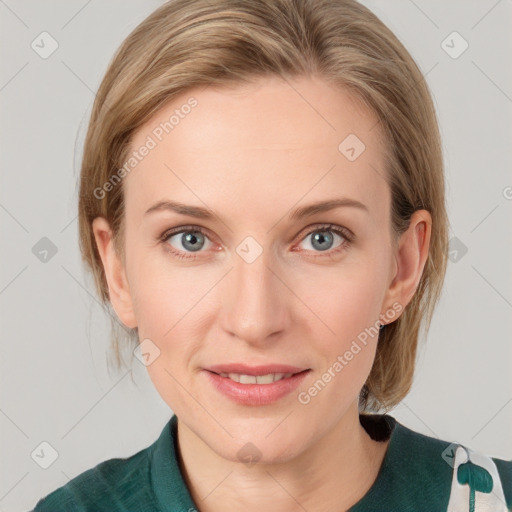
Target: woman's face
(260, 284)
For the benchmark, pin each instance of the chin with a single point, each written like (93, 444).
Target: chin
(258, 447)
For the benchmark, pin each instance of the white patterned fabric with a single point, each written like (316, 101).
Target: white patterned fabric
(460, 493)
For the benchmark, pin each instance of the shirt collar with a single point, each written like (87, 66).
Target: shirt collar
(172, 493)
(170, 489)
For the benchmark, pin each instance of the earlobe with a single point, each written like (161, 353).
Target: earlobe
(411, 257)
(118, 288)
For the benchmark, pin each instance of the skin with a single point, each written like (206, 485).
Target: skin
(252, 154)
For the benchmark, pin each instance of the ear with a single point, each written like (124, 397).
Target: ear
(118, 287)
(412, 253)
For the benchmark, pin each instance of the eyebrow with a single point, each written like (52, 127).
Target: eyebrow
(297, 214)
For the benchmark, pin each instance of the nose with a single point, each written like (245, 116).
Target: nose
(255, 304)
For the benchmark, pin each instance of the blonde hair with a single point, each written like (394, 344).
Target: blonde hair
(189, 43)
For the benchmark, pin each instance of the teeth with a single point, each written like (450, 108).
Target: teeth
(266, 379)
(256, 379)
(246, 379)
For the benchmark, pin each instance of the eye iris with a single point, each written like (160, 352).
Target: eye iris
(321, 237)
(191, 238)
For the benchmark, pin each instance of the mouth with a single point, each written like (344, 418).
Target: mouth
(256, 385)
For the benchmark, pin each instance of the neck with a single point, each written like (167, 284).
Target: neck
(332, 475)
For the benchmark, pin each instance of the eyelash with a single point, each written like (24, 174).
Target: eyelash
(343, 232)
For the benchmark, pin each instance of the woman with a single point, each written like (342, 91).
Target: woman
(262, 204)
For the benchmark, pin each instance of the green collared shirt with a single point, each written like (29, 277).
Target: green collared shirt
(418, 473)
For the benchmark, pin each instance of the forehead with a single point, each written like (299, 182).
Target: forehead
(272, 140)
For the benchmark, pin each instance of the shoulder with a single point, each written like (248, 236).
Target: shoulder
(109, 486)
(453, 472)
(426, 474)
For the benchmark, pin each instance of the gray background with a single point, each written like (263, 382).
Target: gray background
(55, 382)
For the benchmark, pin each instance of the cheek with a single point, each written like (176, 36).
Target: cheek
(348, 355)
(164, 308)
(155, 305)
(168, 305)
(346, 300)
(162, 294)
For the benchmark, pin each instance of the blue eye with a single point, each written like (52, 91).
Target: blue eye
(321, 240)
(192, 239)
